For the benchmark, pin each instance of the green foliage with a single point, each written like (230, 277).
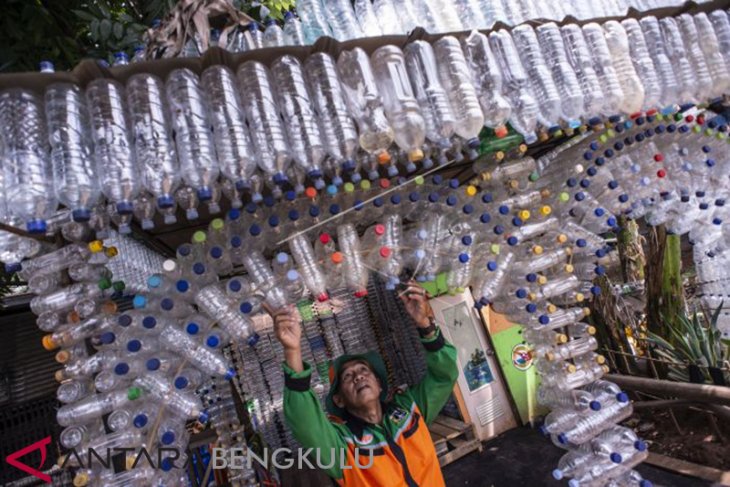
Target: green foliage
(277, 8)
(692, 340)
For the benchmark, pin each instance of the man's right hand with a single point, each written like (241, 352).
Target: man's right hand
(288, 330)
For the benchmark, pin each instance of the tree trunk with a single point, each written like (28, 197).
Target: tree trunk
(630, 251)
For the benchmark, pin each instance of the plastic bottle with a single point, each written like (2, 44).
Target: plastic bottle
(580, 59)
(589, 426)
(354, 270)
(618, 45)
(183, 404)
(695, 55)
(470, 14)
(65, 298)
(678, 57)
(314, 20)
(201, 357)
(154, 148)
(456, 80)
(498, 271)
(115, 160)
(566, 82)
(710, 46)
(400, 105)
(95, 406)
(486, 75)
(273, 34)
(309, 269)
(365, 14)
(305, 141)
(337, 127)
(448, 16)
(517, 88)
(262, 113)
(388, 17)
(435, 106)
(74, 390)
(195, 145)
(76, 180)
(365, 103)
(341, 19)
(261, 275)
(253, 37)
(293, 31)
(643, 63)
(655, 44)
(541, 80)
(233, 144)
(721, 25)
(574, 399)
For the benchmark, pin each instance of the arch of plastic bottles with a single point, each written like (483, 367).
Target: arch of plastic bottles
(526, 238)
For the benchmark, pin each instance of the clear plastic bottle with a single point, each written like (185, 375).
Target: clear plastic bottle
(448, 16)
(203, 358)
(617, 42)
(470, 14)
(232, 140)
(154, 148)
(643, 63)
(183, 404)
(341, 19)
(498, 272)
(656, 46)
(696, 56)
(273, 34)
(195, 145)
(314, 20)
(309, 269)
(710, 46)
(65, 298)
(261, 275)
(456, 80)
(27, 172)
(265, 125)
(365, 103)
(337, 127)
(305, 140)
(574, 399)
(253, 37)
(679, 59)
(95, 406)
(721, 24)
(120, 181)
(293, 31)
(365, 14)
(354, 270)
(541, 80)
(388, 17)
(579, 57)
(487, 78)
(400, 105)
(430, 94)
(76, 180)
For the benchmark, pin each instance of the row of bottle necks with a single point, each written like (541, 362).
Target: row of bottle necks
(455, 104)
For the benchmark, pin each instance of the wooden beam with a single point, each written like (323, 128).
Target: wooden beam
(719, 477)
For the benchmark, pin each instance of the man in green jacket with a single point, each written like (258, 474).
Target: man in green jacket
(370, 438)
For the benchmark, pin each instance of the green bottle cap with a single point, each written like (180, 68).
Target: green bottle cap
(365, 184)
(494, 248)
(349, 187)
(217, 224)
(133, 393)
(119, 286)
(534, 176)
(105, 283)
(564, 197)
(418, 180)
(199, 237)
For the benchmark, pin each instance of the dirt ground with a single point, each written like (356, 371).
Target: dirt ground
(697, 442)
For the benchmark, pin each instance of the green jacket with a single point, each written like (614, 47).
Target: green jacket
(397, 444)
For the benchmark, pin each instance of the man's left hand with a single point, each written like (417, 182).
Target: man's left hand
(415, 299)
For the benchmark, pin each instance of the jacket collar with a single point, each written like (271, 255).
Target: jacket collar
(357, 425)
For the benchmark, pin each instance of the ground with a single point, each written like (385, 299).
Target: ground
(697, 442)
(522, 456)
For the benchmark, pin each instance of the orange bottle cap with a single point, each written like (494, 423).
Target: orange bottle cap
(48, 343)
(337, 257)
(310, 192)
(384, 157)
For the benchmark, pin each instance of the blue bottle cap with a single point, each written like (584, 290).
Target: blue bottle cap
(485, 218)
(544, 319)
(531, 307)
(531, 277)
(192, 328)
(433, 197)
(205, 194)
(293, 215)
(580, 196)
(521, 293)
(165, 201)
(125, 208)
(314, 211)
(13, 268)
(199, 268)
(492, 266)
(212, 341)
(512, 241)
(558, 474)
(36, 226)
(139, 301)
(395, 199)
(182, 286)
(124, 320)
(615, 457)
(230, 374)
(203, 417)
(81, 215)
(149, 322)
(517, 222)
(280, 178)
(334, 209)
(253, 339)
(466, 240)
(463, 258)
(166, 439)
(254, 230)
(498, 229)
(153, 364)
(640, 445)
(181, 382)
(107, 337)
(167, 304)
(613, 184)
(273, 221)
(622, 397)
(563, 439)
(584, 183)
(467, 209)
(122, 368)
(595, 406)
(236, 241)
(378, 202)
(246, 307)
(581, 243)
(600, 161)
(140, 421)
(134, 345)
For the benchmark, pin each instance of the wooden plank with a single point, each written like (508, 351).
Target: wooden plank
(436, 438)
(688, 468)
(444, 431)
(463, 411)
(452, 423)
(463, 448)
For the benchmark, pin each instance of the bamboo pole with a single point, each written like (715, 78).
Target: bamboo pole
(699, 392)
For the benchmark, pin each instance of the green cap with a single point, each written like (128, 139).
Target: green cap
(133, 393)
(349, 187)
(534, 176)
(217, 224)
(199, 237)
(365, 184)
(494, 248)
(418, 180)
(105, 283)
(119, 286)
(376, 363)
(563, 197)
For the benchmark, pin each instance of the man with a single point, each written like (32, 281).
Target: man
(362, 427)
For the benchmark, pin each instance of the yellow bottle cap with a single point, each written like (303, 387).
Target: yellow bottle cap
(606, 369)
(571, 368)
(513, 184)
(600, 359)
(532, 297)
(562, 238)
(579, 297)
(416, 155)
(587, 311)
(59, 376)
(471, 190)
(365, 185)
(111, 252)
(494, 248)
(550, 356)
(542, 280)
(81, 479)
(551, 308)
(48, 343)
(543, 136)
(561, 338)
(568, 268)
(524, 215)
(499, 155)
(522, 148)
(96, 246)
(537, 250)
(591, 330)
(545, 210)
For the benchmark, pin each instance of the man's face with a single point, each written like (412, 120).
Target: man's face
(359, 386)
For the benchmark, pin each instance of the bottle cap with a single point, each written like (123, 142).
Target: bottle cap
(384, 252)
(133, 393)
(415, 155)
(181, 382)
(537, 250)
(383, 157)
(63, 356)
(48, 343)
(81, 479)
(199, 237)
(337, 257)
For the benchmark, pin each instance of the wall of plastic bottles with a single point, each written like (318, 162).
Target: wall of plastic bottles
(280, 141)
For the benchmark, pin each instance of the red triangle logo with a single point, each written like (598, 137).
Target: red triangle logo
(12, 459)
